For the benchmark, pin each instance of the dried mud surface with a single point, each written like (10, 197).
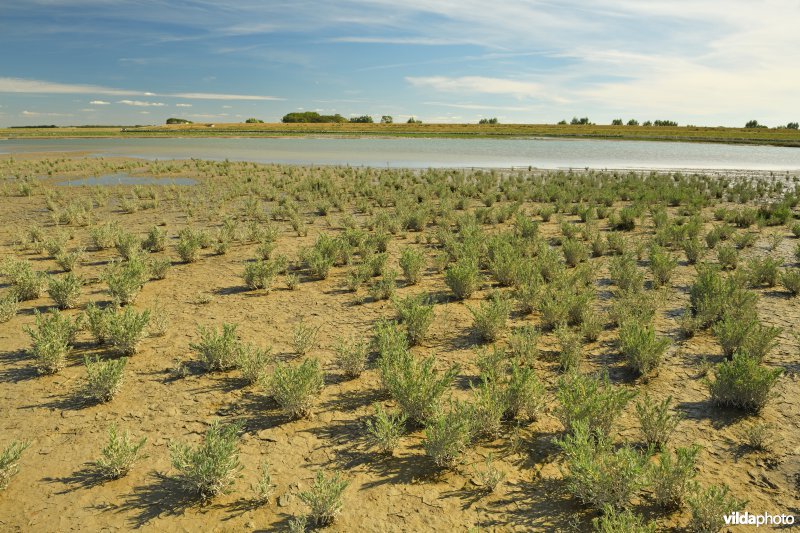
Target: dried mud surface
(56, 490)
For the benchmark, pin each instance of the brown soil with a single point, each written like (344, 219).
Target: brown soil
(56, 490)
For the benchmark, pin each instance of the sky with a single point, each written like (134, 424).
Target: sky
(701, 62)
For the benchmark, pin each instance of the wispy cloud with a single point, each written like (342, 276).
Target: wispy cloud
(27, 113)
(20, 85)
(485, 85)
(139, 103)
(99, 102)
(183, 105)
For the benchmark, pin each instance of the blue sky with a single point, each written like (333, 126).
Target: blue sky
(704, 62)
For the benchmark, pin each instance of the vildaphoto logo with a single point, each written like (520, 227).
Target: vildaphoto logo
(763, 519)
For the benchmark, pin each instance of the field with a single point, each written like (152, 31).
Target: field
(548, 351)
(777, 137)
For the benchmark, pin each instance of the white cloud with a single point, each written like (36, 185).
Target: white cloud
(20, 85)
(485, 85)
(99, 102)
(139, 103)
(183, 105)
(44, 114)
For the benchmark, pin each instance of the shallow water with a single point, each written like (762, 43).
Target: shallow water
(126, 179)
(423, 153)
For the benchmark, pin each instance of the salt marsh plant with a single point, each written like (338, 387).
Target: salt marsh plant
(159, 267)
(104, 236)
(570, 348)
(790, 279)
(69, 260)
(710, 506)
(738, 333)
(642, 348)
(462, 278)
(97, 319)
(384, 430)
(672, 476)
(252, 361)
(592, 400)
(657, 422)
(490, 318)
(217, 349)
(612, 521)
(156, 240)
(351, 356)
(65, 291)
(597, 472)
(125, 280)
(759, 436)
(694, 250)
(26, 283)
(488, 406)
(523, 343)
(411, 262)
(524, 393)
(119, 454)
(574, 252)
(304, 337)
(52, 338)
(296, 388)
(210, 468)
(727, 256)
(743, 383)
(447, 436)
(259, 274)
(416, 312)
(415, 384)
(189, 244)
(264, 487)
(662, 265)
(9, 462)
(324, 497)
(127, 328)
(9, 305)
(103, 378)
(128, 245)
(384, 287)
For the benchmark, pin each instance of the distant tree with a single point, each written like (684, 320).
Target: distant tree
(178, 121)
(311, 117)
(633, 122)
(664, 123)
(792, 125)
(647, 123)
(363, 119)
(387, 119)
(580, 121)
(413, 120)
(754, 124)
(488, 121)
(616, 122)
(253, 121)
(562, 122)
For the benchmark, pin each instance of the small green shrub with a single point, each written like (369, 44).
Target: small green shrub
(710, 506)
(525, 394)
(263, 487)
(570, 348)
(68, 260)
(592, 400)
(523, 343)
(252, 361)
(416, 312)
(694, 250)
(743, 383)
(104, 237)
(414, 383)
(119, 455)
(325, 498)
(9, 305)
(599, 474)
(351, 356)
(613, 521)
(211, 468)
(159, 267)
(728, 257)
(447, 436)
(759, 436)
(384, 287)
(763, 272)
(489, 319)
(259, 274)
(642, 349)
(9, 462)
(103, 378)
(52, 338)
(26, 284)
(128, 245)
(656, 421)
(385, 429)
(411, 262)
(462, 278)
(218, 349)
(574, 252)
(295, 388)
(746, 335)
(790, 279)
(304, 337)
(672, 476)
(127, 328)
(125, 280)
(97, 321)
(662, 265)
(489, 405)
(189, 244)
(625, 274)
(156, 240)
